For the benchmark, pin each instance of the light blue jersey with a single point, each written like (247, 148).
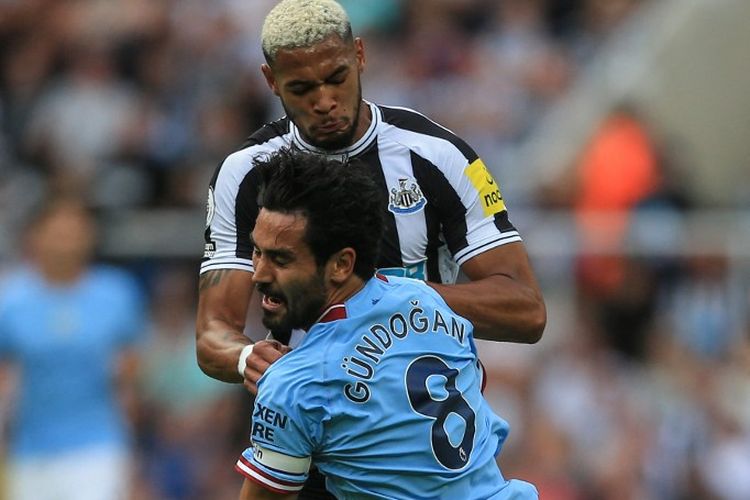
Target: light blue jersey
(383, 395)
(65, 341)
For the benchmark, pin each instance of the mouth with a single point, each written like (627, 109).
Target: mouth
(271, 302)
(331, 127)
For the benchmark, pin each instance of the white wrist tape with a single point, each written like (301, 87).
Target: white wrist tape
(242, 362)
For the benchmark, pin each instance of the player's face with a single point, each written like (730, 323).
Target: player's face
(320, 90)
(286, 274)
(64, 240)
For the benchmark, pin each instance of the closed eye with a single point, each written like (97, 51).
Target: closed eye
(300, 89)
(338, 77)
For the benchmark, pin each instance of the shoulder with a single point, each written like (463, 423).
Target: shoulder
(409, 287)
(412, 126)
(270, 137)
(17, 285)
(117, 282)
(112, 275)
(308, 396)
(295, 366)
(388, 294)
(267, 133)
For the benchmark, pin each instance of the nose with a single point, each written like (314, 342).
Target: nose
(325, 99)
(262, 272)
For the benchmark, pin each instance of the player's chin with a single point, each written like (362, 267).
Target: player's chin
(334, 141)
(274, 320)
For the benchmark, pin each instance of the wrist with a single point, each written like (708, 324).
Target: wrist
(242, 361)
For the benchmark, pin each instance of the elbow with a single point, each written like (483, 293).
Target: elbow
(201, 353)
(537, 322)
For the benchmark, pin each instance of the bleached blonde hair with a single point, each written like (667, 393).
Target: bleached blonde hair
(294, 24)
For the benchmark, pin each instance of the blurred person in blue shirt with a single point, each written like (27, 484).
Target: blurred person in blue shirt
(68, 334)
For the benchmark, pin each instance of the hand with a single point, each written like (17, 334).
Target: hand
(265, 353)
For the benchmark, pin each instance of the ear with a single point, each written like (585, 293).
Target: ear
(270, 79)
(340, 266)
(359, 48)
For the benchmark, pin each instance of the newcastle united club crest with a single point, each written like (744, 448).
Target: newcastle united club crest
(407, 199)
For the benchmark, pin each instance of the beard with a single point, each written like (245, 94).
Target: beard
(303, 303)
(341, 141)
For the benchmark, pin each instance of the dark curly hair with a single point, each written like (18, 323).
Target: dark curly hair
(342, 203)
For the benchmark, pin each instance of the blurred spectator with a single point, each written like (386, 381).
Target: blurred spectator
(617, 170)
(78, 123)
(703, 313)
(69, 330)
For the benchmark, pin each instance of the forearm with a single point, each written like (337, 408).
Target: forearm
(223, 301)
(218, 351)
(501, 309)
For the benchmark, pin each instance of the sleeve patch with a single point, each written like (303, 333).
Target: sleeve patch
(489, 191)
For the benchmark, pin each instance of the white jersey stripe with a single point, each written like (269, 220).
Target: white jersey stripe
(462, 257)
(228, 264)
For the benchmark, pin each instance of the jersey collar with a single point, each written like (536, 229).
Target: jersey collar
(338, 311)
(333, 313)
(358, 147)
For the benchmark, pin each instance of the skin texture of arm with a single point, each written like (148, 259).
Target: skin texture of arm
(503, 299)
(253, 491)
(223, 298)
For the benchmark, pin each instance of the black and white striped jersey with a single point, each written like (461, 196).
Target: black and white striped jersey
(444, 206)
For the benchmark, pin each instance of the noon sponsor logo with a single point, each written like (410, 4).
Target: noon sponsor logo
(489, 191)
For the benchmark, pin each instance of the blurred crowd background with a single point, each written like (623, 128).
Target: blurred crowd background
(640, 388)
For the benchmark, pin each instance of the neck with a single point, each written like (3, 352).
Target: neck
(341, 294)
(363, 121)
(61, 275)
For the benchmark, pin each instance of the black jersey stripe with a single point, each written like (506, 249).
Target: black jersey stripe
(246, 210)
(390, 247)
(445, 204)
(407, 119)
(267, 132)
(432, 221)
(503, 223)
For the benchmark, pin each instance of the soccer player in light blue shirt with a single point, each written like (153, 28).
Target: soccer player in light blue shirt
(65, 328)
(383, 394)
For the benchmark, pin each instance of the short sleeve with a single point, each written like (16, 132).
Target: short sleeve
(486, 223)
(286, 430)
(460, 189)
(231, 210)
